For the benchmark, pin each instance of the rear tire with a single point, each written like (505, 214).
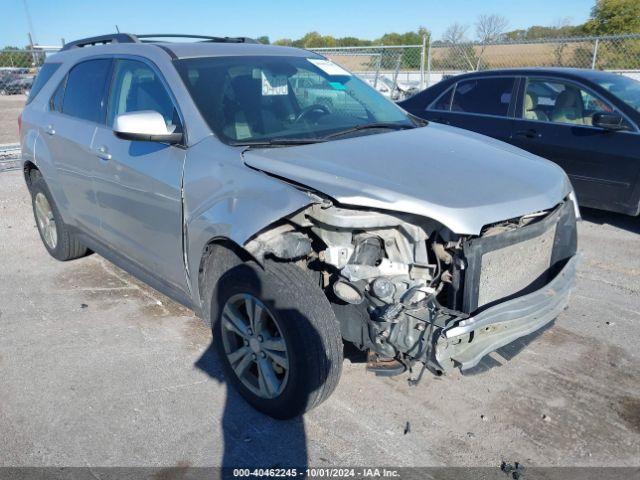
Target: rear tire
(59, 241)
(294, 314)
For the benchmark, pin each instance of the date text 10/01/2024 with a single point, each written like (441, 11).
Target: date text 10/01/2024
(316, 472)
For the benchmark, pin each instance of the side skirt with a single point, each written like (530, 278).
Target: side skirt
(137, 271)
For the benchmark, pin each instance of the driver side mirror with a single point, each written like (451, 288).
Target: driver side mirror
(609, 121)
(145, 126)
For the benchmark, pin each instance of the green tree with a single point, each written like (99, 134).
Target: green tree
(16, 58)
(408, 38)
(264, 39)
(410, 56)
(310, 40)
(536, 32)
(286, 42)
(352, 42)
(613, 17)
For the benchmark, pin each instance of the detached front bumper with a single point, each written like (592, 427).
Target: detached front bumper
(465, 343)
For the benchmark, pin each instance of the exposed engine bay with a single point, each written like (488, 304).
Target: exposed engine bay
(403, 287)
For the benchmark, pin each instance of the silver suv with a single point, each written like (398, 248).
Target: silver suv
(292, 225)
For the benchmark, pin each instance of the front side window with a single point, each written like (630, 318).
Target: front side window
(487, 96)
(137, 87)
(558, 101)
(625, 88)
(266, 98)
(84, 93)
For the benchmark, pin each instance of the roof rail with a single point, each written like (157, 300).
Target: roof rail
(101, 39)
(205, 38)
(147, 38)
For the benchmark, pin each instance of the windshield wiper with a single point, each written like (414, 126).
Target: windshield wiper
(368, 126)
(274, 142)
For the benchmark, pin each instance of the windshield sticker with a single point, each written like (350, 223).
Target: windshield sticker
(329, 67)
(337, 86)
(274, 84)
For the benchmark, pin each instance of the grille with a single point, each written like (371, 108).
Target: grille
(513, 263)
(511, 269)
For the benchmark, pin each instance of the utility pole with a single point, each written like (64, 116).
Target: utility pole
(423, 58)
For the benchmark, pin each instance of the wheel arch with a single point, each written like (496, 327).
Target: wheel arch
(218, 256)
(27, 169)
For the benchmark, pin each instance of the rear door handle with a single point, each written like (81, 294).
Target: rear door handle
(103, 153)
(50, 130)
(531, 133)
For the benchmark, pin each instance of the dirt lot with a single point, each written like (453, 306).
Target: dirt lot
(99, 370)
(10, 108)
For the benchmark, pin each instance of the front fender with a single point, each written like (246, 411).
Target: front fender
(223, 198)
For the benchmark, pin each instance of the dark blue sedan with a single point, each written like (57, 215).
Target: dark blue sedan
(586, 121)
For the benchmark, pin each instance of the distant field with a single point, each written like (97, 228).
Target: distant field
(578, 54)
(619, 54)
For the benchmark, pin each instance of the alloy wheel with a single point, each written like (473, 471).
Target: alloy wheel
(46, 221)
(254, 345)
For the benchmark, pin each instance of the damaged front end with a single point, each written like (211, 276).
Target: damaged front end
(407, 289)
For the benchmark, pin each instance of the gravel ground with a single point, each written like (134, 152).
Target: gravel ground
(10, 108)
(97, 369)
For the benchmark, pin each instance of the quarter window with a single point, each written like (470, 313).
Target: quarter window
(55, 103)
(47, 70)
(137, 87)
(84, 93)
(443, 102)
(488, 96)
(561, 102)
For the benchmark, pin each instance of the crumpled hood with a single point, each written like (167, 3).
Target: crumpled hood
(461, 179)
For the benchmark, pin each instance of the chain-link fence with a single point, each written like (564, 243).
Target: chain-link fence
(17, 70)
(395, 71)
(401, 70)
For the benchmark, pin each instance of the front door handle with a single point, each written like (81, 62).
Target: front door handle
(103, 153)
(50, 130)
(530, 133)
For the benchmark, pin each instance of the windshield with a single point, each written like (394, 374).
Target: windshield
(625, 88)
(248, 99)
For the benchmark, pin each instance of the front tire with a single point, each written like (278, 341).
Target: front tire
(277, 337)
(59, 241)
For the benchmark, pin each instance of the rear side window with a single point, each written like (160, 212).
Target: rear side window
(47, 70)
(84, 93)
(488, 96)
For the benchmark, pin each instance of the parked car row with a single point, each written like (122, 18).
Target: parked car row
(396, 91)
(15, 82)
(586, 121)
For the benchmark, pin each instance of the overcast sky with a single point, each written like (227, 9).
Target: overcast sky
(72, 19)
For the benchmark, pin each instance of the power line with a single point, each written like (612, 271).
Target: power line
(32, 32)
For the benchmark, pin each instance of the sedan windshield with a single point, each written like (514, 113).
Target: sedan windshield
(625, 88)
(251, 100)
